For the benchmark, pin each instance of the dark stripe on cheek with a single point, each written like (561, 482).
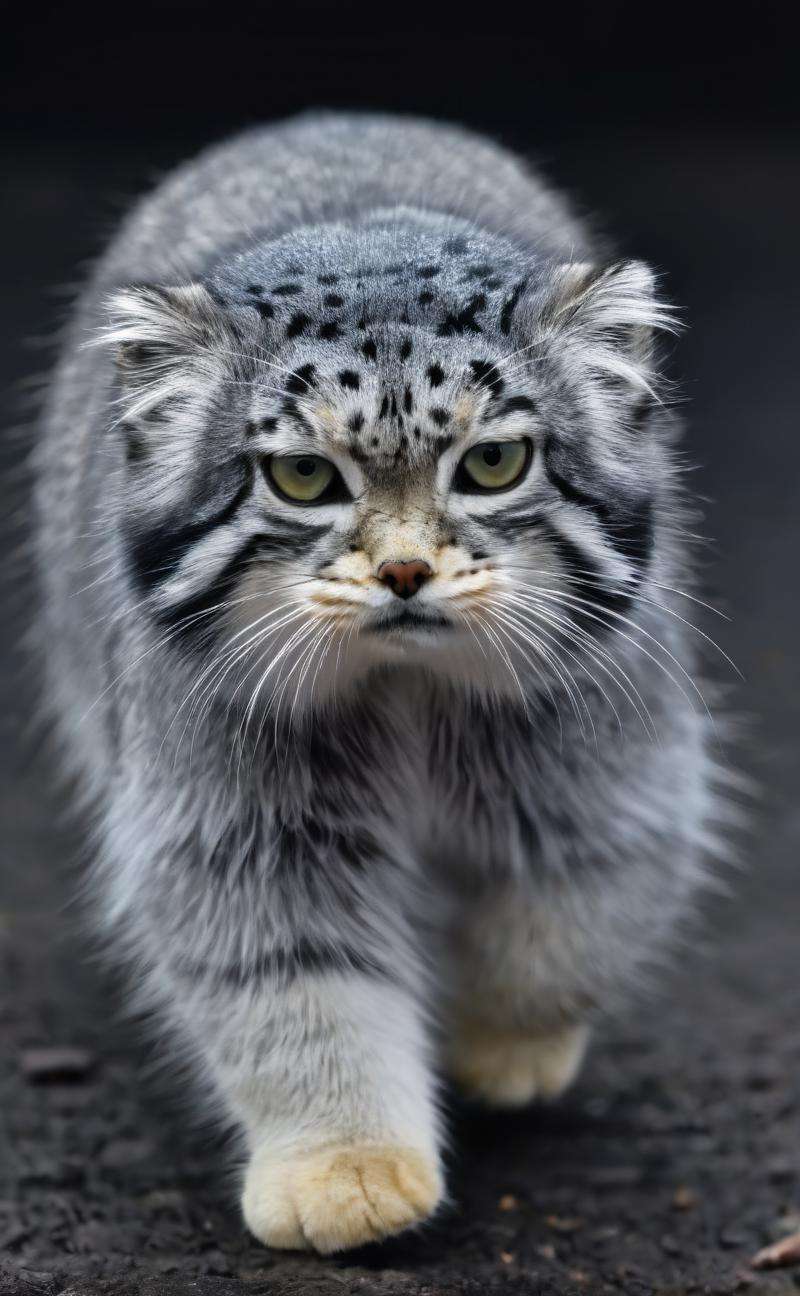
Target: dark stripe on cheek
(194, 614)
(632, 534)
(511, 523)
(156, 554)
(628, 525)
(586, 581)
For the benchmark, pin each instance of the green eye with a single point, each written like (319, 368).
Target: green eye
(302, 478)
(493, 465)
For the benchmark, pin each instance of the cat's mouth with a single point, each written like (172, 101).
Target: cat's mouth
(408, 620)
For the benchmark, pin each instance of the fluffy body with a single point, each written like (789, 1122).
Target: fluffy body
(346, 841)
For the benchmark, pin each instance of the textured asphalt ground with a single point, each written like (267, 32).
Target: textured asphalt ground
(677, 1156)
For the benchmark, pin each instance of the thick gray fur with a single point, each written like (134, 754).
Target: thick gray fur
(340, 863)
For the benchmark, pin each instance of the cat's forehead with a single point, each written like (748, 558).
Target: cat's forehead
(403, 393)
(321, 283)
(400, 394)
(382, 341)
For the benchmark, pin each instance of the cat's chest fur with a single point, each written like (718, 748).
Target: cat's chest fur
(434, 771)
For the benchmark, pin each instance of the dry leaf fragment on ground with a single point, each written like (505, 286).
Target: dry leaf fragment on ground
(684, 1198)
(785, 1252)
(563, 1224)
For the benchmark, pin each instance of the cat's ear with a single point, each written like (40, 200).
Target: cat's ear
(154, 327)
(614, 311)
(165, 340)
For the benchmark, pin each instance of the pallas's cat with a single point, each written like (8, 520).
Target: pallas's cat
(361, 536)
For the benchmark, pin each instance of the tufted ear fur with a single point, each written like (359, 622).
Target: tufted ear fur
(613, 312)
(167, 339)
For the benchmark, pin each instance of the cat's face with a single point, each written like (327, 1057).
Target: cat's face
(404, 472)
(455, 492)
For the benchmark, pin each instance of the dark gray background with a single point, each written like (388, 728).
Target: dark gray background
(679, 130)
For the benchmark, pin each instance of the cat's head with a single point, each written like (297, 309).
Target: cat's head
(347, 450)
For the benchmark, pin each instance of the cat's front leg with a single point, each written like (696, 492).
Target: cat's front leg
(328, 1071)
(338, 1101)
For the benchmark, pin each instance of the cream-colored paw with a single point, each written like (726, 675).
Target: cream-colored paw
(509, 1068)
(340, 1196)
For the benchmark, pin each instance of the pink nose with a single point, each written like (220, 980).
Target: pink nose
(404, 578)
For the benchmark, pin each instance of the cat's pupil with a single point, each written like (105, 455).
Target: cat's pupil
(306, 467)
(492, 456)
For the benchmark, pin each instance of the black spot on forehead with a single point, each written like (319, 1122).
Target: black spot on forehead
(301, 379)
(429, 271)
(509, 307)
(485, 375)
(328, 331)
(286, 290)
(327, 278)
(255, 289)
(408, 401)
(356, 421)
(369, 349)
(425, 297)
(349, 378)
(297, 325)
(439, 415)
(265, 310)
(435, 375)
(333, 299)
(405, 348)
(479, 271)
(268, 424)
(464, 320)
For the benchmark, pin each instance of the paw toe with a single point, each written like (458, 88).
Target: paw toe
(269, 1210)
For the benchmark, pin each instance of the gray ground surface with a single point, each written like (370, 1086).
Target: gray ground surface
(678, 1154)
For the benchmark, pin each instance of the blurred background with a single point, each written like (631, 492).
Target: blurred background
(676, 128)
